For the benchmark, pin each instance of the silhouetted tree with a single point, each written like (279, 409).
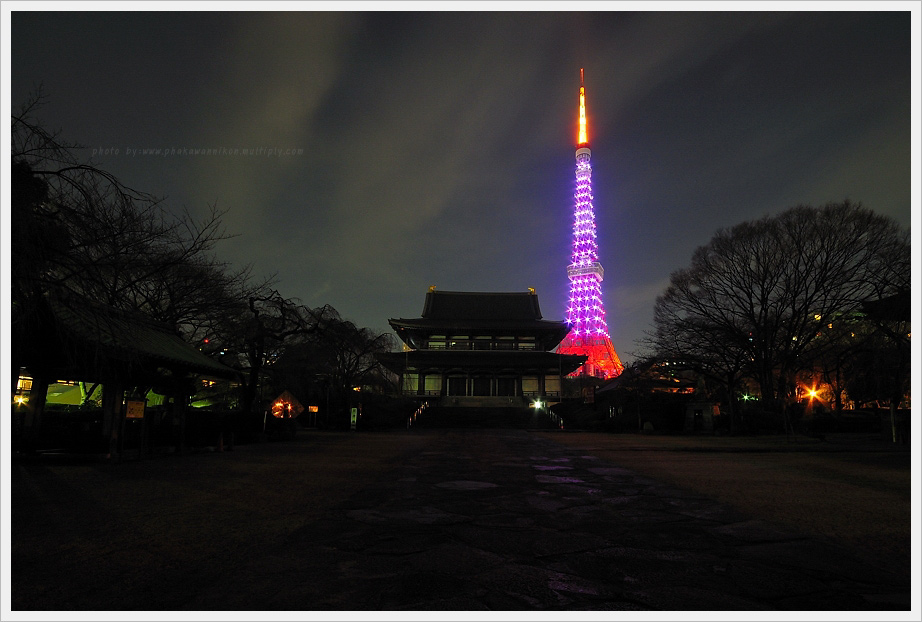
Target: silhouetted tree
(257, 336)
(348, 352)
(757, 294)
(845, 341)
(690, 340)
(76, 227)
(332, 360)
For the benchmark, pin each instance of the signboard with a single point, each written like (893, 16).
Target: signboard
(355, 417)
(134, 409)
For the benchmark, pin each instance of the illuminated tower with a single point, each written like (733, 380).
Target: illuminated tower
(585, 311)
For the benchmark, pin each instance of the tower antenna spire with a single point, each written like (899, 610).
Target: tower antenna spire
(583, 139)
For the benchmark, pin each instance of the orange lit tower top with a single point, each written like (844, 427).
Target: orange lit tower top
(588, 334)
(583, 139)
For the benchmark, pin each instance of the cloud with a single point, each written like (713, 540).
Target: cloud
(281, 68)
(630, 299)
(417, 161)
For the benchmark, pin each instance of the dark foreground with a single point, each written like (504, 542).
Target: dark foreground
(442, 519)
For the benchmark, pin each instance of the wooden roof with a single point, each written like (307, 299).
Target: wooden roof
(82, 338)
(895, 308)
(490, 306)
(480, 313)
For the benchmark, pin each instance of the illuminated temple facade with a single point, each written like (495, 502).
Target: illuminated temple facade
(481, 350)
(588, 329)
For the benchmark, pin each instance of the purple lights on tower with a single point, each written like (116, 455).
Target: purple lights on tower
(585, 311)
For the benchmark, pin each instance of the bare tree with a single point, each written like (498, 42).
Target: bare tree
(256, 335)
(77, 227)
(688, 339)
(757, 295)
(348, 352)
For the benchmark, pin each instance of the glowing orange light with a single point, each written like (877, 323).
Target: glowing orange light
(583, 131)
(278, 409)
(812, 393)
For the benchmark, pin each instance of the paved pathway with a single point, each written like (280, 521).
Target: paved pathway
(504, 520)
(508, 520)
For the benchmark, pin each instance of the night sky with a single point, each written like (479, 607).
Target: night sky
(437, 148)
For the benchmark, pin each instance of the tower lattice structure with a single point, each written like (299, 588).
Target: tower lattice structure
(588, 334)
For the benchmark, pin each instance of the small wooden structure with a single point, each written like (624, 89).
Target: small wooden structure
(73, 338)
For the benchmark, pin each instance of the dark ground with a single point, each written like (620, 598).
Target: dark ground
(853, 488)
(502, 520)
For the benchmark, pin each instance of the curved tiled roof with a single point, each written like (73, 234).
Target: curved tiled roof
(489, 306)
(129, 337)
(483, 313)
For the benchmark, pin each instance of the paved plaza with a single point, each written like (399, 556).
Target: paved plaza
(499, 519)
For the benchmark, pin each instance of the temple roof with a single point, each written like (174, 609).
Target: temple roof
(480, 313)
(490, 306)
(481, 326)
(86, 338)
(895, 308)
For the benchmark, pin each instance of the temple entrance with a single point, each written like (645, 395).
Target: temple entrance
(457, 385)
(481, 385)
(505, 386)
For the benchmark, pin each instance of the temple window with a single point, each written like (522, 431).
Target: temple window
(459, 342)
(505, 343)
(530, 385)
(552, 385)
(410, 382)
(433, 384)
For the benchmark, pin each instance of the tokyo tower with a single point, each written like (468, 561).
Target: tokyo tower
(588, 334)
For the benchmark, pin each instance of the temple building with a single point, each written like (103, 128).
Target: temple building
(481, 349)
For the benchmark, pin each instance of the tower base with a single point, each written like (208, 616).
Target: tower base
(603, 361)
